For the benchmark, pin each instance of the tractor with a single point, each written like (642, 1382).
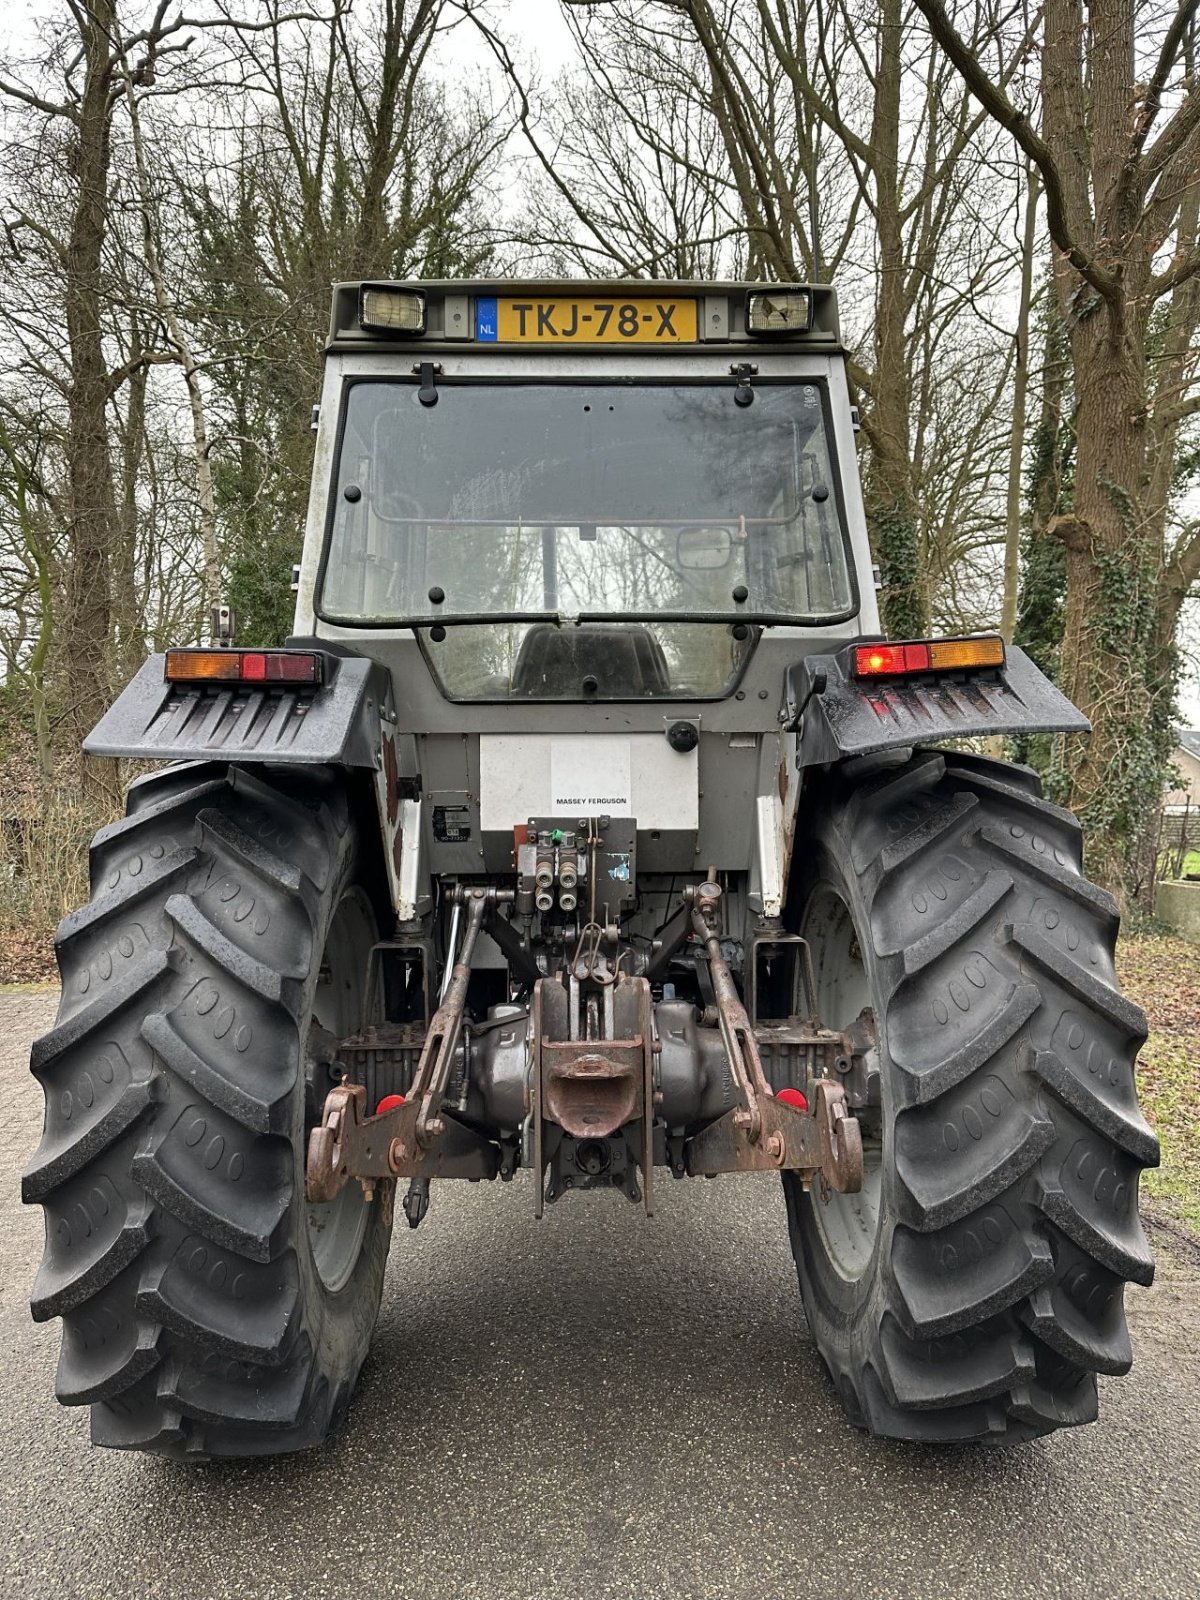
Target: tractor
(586, 834)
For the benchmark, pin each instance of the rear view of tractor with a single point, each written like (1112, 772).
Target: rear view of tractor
(585, 833)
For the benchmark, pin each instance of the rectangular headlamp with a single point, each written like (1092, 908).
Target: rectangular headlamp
(927, 655)
(385, 308)
(778, 311)
(266, 669)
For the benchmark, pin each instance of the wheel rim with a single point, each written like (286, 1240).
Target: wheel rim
(336, 1229)
(848, 1224)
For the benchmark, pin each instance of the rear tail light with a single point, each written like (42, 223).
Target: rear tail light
(266, 667)
(931, 655)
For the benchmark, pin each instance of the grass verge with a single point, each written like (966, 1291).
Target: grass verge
(44, 876)
(1162, 974)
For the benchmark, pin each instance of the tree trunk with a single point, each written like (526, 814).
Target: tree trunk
(1111, 581)
(87, 603)
(206, 505)
(1016, 456)
(129, 643)
(891, 512)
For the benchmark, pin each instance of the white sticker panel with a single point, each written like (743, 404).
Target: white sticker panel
(590, 776)
(615, 775)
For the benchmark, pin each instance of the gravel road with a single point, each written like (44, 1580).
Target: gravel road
(596, 1406)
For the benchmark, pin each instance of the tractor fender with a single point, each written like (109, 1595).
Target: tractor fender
(837, 716)
(337, 721)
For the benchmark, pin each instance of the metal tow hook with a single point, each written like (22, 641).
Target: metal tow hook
(841, 1140)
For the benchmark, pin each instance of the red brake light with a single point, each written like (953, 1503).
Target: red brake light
(887, 660)
(243, 666)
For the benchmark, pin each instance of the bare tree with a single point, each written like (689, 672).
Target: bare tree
(85, 106)
(808, 142)
(1118, 155)
(71, 101)
(337, 152)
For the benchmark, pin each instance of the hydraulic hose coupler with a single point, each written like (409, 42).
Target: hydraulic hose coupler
(543, 872)
(568, 863)
(568, 900)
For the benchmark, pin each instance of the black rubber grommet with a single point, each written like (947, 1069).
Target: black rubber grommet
(683, 736)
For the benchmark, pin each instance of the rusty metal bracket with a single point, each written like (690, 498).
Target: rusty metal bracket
(418, 1138)
(737, 1032)
(765, 1134)
(445, 1030)
(348, 1144)
(593, 1087)
(822, 1140)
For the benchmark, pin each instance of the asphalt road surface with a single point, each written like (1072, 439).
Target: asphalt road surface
(595, 1406)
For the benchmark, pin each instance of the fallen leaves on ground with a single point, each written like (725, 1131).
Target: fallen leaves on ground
(27, 956)
(1163, 975)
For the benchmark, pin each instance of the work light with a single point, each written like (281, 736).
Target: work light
(778, 311)
(382, 308)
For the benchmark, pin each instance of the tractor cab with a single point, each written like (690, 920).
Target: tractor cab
(570, 494)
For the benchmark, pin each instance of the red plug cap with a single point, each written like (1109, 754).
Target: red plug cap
(792, 1097)
(389, 1103)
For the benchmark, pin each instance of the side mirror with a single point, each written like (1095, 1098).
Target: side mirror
(703, 549)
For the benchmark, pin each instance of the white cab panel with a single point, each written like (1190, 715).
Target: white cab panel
(615, 775)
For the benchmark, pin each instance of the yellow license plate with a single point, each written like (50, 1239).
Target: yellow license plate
(586, 320)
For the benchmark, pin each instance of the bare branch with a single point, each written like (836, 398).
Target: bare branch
(1167, 57)
(997, 103)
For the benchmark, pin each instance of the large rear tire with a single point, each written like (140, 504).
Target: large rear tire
(974, 1289)
(208, 1309)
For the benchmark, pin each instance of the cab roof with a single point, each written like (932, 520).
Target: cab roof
(550, 314)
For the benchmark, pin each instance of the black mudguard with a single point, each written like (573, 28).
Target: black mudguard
(838, 716)
(335, 721)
